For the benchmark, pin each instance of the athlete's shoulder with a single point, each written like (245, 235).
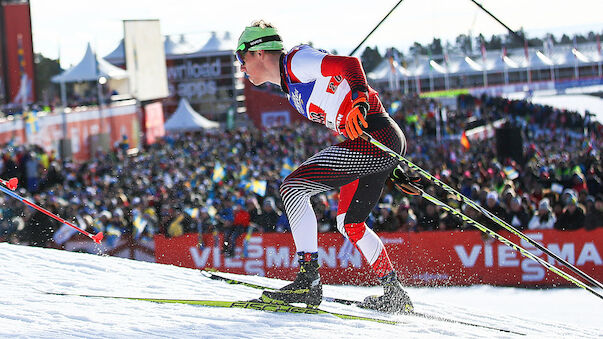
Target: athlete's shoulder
(304, 62)
(306, 50)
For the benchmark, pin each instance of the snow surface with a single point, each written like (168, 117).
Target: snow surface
(574, 102)
(25, 311)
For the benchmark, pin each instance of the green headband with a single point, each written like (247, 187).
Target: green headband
(258, 38)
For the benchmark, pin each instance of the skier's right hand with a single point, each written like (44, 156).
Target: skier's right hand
(356, 117)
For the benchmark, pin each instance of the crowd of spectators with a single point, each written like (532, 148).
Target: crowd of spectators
(86, 96)
(557, 184)
(170, 187)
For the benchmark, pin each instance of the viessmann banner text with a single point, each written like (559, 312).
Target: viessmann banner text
(428, 258)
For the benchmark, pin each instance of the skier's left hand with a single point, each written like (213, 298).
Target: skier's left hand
(408, 184)
(357, 115)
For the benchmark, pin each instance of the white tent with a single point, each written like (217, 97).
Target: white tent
(86, 70)
(425, 67)
(186, 119)
(216, 43)
(593, 55)
(537, 60)
(183, 46)
(463, 64)
(540, 61)
(385, 71)
(92, 68)
(570, 58)
(496, 62)
(519, 58)
(117, 56)
(171, 47)
(389, 71)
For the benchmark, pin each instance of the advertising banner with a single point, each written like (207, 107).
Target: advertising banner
(153, 122)
(267, 107)
(427, 258)
(145, 59)
(205, 80)
(18, 53)
(46, 129)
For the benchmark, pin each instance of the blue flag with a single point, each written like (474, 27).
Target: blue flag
(219, 172)
(139, 223)
(288, 167)
(257, 186)
(31, 122)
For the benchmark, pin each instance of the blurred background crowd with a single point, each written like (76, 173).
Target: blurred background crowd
(227, 181)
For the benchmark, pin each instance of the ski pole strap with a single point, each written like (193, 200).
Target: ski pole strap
(479, 208)
(409, 185)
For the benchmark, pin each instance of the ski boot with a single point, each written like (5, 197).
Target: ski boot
(306, 288)
(393, 300)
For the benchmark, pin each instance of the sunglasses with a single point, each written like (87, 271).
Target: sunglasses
(241, 57)
(245, 46)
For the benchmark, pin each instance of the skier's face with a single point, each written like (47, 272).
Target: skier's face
(254, 66)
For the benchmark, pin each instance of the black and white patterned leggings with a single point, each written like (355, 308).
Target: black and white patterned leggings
(360, 169)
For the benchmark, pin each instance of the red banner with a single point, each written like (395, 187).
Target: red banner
(153, 122)
(19, 52)
(428, 258)
(82, 124)
(268, 109)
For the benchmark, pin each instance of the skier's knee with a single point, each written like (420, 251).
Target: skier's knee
(286, 189)
(353, 231)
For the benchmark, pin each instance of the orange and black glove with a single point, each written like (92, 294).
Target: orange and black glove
(357, 116)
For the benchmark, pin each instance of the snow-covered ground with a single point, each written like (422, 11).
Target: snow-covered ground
(25, 311)
(574, 102)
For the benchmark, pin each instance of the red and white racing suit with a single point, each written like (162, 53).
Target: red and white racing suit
(321, 87)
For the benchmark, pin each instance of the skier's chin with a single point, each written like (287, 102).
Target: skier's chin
(255, 82)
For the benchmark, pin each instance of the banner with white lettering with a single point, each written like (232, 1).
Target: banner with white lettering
(427, 258)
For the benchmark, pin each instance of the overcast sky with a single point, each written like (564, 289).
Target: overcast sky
(68, 25)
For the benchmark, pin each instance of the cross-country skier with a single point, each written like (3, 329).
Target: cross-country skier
(333, 91)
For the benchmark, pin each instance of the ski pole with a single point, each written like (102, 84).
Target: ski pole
(484, 211)
(97, 238)
(505, 241)
(11, 183)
